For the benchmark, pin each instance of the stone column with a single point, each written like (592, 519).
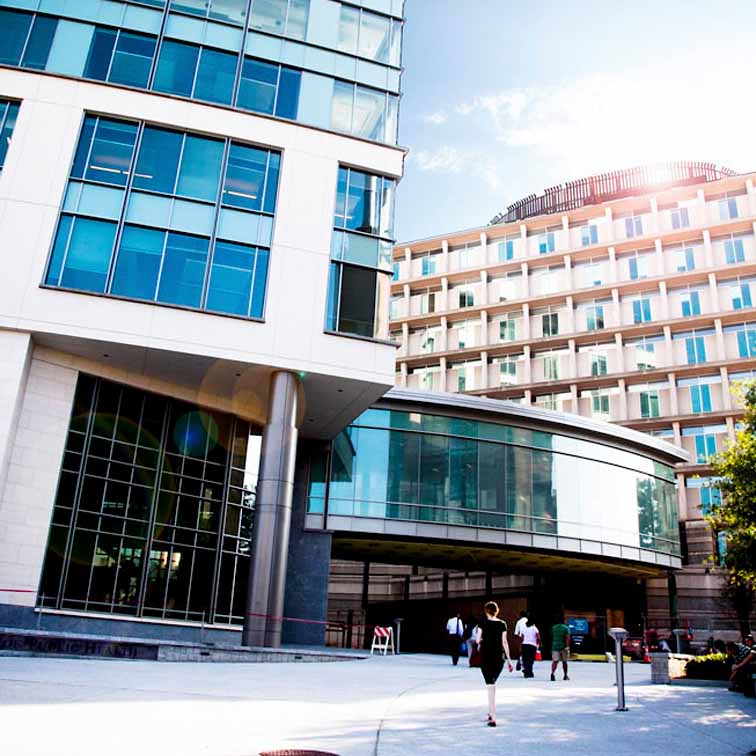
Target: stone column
(267, 569)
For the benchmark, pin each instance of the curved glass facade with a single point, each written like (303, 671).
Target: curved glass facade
(428, 468)
(320, 62)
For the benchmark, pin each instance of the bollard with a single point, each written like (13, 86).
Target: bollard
(398, 622)
(619, 634)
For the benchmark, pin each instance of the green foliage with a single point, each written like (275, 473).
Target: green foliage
(735, 515)
(708, 667)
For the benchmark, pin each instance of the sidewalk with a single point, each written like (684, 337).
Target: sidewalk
(385, 706)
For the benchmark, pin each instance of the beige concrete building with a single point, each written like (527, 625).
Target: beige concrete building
(623, 297)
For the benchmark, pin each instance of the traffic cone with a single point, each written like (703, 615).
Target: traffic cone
(646, 656)
(538, 656)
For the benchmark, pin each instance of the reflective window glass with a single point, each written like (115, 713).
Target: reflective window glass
(88, 255)
(296, 19)
(105, 150)
(235, 268)
(257, 90)
(200, 168)
(138, 266)
(271, 185)
(8, 115)
(369, 113)
(176, 68)
(374, 39)
(286, 18)
(215, 76)
(349, 28)
(132, 59)
(342, 106)
(100, 53)
(183, 271)
(14, 28)
(357, 301)
(362, 203)
(245, 177)
(40, 41)
(157, 164)
(287, 101)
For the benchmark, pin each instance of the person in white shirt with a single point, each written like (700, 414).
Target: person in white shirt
(455, 632)
(531, 639)
(519, 627)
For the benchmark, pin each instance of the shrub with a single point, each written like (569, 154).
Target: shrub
(708, 667)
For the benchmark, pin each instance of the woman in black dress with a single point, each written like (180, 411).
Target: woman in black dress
(492, 640)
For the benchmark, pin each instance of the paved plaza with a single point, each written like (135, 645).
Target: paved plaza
(415, 704)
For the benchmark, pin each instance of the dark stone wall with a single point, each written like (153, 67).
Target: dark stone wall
(308, 566)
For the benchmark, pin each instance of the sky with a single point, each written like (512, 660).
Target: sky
(502, 99)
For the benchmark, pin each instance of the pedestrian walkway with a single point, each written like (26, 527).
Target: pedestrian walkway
(376, 707)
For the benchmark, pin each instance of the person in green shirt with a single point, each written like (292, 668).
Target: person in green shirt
(560, 647)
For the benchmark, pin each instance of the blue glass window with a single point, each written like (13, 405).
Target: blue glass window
(157, 164)
(706, 446)
(183, 273)
(215, 76)
(742, 298)
(633, 226)
(428, 266)
(105, 151)
(176, 68)
(595, 318)
(100, 54)
(132, 59)
(237, 279)
(734, 251)
(269, 88)
(157, 264)
(589, 235)
(691, 305)
(700, 398)
(641, 311)
(245, 184)
(138, 266)
(506, 250)
(695, 349)
(81, 254)
(8, 116)
(14, 28)
(546, 243)
(40, 41)
(230, 11)
(686, 260)
(747, 341)
(200, 170)
(728, 208)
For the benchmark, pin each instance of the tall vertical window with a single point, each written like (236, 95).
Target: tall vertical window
(705, 440)
(508, 330)
(649, 403)
(740, 294)
(508, 371)
(360, 252)
(551, 367)
(642, 310)
(369, 35)
(700, 398)
(461, 378)
(684, 259)
(638, 267)
(466, 298)
(189, 224)
(690, 304)
(229, 11)
(550, 324)
(8, 116)
(598, 364)
(746, 335)
(595, 318)
(546, 243)
(734, 252)
(505, 250)
(728, 208)
(589, 235)
(600, 404)
(428, 266)
(634, 226)
(286, 18)
(695, 349)
(679, 217)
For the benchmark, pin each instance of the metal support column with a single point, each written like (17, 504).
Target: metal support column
(275, 487)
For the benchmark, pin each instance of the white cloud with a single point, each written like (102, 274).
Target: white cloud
(606, 121)
(449, 159)
(437, 119)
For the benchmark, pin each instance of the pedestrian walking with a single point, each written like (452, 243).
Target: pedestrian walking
(455, 631)
(531, 639)
(493, 643)
(560, 647)
(519, 627)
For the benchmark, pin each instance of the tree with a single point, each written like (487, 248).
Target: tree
(734, 513)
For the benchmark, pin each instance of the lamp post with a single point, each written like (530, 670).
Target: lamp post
(619, 634)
